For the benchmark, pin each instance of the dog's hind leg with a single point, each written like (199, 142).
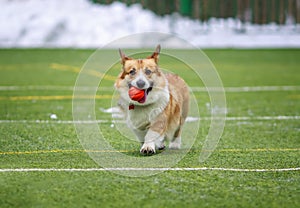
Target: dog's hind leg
(176, 140)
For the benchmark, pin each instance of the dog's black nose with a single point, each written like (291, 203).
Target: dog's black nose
(140, 83)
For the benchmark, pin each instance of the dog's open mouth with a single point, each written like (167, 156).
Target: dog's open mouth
(137, 94)
(146, 92)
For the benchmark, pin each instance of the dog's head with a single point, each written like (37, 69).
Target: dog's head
(143, 74)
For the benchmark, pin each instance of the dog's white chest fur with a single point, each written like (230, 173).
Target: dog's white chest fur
(140, 117)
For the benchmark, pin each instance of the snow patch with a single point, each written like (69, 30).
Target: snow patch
(53, 116)
(55, 23)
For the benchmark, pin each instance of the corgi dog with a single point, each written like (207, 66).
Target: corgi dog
(162, 107)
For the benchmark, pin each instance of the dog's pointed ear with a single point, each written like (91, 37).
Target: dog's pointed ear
(155, 54)
(123, 57)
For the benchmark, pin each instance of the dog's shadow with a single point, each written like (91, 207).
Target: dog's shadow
(136, 153)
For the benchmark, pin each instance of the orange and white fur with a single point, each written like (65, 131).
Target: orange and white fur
(165, 108)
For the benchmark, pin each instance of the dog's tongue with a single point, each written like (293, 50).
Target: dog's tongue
(143, 98)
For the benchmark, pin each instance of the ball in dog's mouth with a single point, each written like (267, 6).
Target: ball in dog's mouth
(139, 95)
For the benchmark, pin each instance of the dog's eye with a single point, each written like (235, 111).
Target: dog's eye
(132, 71)
(148, 71)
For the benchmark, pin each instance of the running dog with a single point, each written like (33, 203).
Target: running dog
(155, 103)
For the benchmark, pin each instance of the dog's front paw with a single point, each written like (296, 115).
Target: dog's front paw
(148, 149)
(161, 147)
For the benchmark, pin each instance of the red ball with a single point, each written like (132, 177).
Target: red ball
(136, 94)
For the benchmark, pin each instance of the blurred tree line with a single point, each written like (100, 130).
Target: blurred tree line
(255, 11)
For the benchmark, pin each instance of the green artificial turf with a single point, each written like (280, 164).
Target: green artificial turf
(36, 83)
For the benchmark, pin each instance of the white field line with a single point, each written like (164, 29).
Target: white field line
(249, 118)
(55, 121)
(247, 89)
(146, 169)
(194, 89)
(189, 119)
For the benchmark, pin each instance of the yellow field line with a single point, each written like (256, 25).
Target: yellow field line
(77, 70)
(64, 67)
(55, 97)
(108, 151)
